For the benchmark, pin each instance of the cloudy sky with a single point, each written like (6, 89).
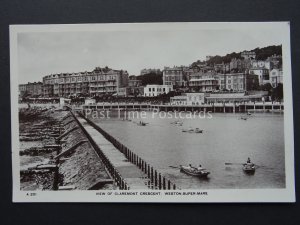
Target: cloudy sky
(43, 53)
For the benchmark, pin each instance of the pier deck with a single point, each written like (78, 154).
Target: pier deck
(133, 176)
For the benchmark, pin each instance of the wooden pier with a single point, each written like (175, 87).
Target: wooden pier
(235, 107)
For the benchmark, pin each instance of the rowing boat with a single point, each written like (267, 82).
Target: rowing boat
(249, 168)
(190, 130)
(194, 171)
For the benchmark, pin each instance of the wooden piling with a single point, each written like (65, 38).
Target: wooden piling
(152, 179)
(159, 181)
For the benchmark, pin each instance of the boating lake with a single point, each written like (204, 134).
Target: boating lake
(226, 138)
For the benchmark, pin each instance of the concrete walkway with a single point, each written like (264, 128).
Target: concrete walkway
(133, 176)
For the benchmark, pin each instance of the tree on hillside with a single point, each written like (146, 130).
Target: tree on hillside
(278, 93)
(264, 53)
(261, 54)
(151, 78)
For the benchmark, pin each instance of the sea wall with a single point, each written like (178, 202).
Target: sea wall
(51, 157)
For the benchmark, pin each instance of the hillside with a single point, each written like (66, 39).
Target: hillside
(151, 78)
(261, 54)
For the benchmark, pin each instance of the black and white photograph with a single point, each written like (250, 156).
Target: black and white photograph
(152, 112)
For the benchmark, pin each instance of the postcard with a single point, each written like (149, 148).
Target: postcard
(152, 112)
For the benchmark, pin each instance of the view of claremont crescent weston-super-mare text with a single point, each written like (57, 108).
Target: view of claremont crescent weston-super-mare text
(150, 110)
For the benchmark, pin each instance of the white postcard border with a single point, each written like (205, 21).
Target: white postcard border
(212, 195)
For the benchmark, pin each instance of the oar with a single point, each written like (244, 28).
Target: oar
(175, 167)
(234, 164)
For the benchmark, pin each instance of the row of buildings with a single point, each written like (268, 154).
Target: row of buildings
(238, 76)
(226, 75)
(98, 81)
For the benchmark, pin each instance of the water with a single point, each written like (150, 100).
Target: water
(226, 138)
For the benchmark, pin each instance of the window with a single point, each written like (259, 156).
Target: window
(164, 89)
(149, 89)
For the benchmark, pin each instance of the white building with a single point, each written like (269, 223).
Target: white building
(152, 90)
(276, 77)
(261, 64)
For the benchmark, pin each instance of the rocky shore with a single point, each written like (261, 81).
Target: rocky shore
(49, 156)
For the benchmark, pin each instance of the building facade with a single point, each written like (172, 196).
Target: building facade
(262, 74)
(248, 55)
(232, 81)
(262, 64)
(134, 83)
(188, 99)
(34, 89)
(276, 77)
(173, 76)
(152, 90)
(204, 81)
(22, 90)
(99, 81)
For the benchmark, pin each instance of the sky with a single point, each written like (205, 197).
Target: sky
(44, 53)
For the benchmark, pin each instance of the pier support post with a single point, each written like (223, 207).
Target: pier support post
(155, 179)
(55, 182)
(159, 181)
(152, 179)
(169, 185)
(148, 170)
(164, 183)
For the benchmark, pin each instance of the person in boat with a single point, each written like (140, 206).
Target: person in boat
(200, 167)
(190, 167)
(249, 163)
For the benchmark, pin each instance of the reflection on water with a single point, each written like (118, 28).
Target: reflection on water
(226, 138)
